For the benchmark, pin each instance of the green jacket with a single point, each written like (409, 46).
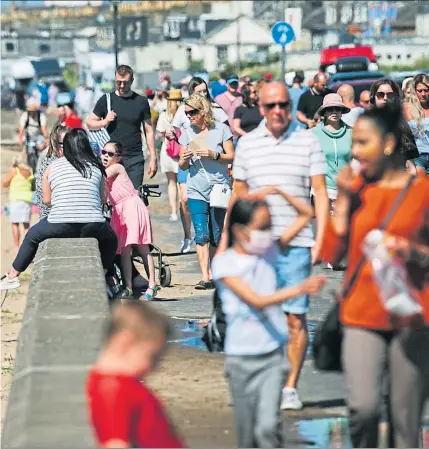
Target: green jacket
(337, 147)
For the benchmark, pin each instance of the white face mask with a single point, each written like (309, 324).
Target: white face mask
(259, 243)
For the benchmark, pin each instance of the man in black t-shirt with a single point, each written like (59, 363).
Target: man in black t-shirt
(310, 101)
(129, 111)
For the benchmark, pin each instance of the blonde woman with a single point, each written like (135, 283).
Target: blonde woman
(207, 158)
(416, 111)
(406, 88)
(19, 181)
(169, 165)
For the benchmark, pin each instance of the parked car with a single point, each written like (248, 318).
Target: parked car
(346, 77)
(359, 85)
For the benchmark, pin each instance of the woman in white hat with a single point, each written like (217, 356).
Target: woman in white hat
(335, 138)
(169, 163)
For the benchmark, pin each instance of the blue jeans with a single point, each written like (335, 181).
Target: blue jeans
(107, 240)
(423, 162)
(208, 221)
(292, 267)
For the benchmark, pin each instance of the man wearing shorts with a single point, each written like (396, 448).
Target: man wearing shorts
(276, 154)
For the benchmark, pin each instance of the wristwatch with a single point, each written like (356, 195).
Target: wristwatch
(216, 156)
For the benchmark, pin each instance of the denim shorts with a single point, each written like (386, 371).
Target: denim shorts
(182, 176)
(423, 162)
(292, 267)
(208, 221)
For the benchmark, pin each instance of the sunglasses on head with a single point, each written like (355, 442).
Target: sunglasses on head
(192, 112)
(280, 104)
(383, 95)
(108, 153)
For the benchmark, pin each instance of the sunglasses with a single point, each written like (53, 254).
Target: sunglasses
(192, 112)
(280, 104)
(333, 109)
(108, 153)
(422, 91)
(122, 83)
(383, 95)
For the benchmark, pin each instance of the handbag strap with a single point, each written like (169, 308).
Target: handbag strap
(352, 279)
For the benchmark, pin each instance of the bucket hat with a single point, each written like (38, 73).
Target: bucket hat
(175, 95)
(332, 101)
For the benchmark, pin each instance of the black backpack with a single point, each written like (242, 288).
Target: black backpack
(214, 332)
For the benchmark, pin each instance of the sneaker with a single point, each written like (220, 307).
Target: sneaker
(9, 284)
(290, 400)
(186, 246)
(173, 218)
(338, 267)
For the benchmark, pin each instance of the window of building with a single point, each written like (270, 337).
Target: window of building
(409, 56)
(389, 56)
(398, 57)
(44, 48)
(10, 47)
(222, 54)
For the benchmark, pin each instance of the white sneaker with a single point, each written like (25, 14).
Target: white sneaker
(186, 246)
(329, 266)
(8, 284)
(173, 218)
(290, 400)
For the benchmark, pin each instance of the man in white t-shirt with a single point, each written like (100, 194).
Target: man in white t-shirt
(347, 94)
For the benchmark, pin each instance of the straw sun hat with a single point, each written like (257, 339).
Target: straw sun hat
(332, 101)
(175, 95)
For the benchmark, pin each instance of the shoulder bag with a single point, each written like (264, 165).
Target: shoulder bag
(328, 337)
(100, 136)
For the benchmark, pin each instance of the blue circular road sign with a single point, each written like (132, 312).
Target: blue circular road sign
(282, 33)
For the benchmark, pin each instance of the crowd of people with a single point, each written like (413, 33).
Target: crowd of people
(249, 167)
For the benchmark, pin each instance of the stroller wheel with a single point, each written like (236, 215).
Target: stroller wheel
(165, 276)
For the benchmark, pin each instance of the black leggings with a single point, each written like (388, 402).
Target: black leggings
(107, 241)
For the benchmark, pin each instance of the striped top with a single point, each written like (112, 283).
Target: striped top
(75, 199)
(289, 162)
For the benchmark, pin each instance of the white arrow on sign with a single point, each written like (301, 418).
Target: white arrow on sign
(283, 38)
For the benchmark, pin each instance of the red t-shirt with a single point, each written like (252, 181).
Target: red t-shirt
(73, 121)
(122, 408)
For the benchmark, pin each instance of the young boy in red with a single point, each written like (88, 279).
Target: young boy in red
(123, 411)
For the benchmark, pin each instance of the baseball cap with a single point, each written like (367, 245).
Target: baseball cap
(232, 78)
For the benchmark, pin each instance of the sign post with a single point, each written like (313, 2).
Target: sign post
(282, 34)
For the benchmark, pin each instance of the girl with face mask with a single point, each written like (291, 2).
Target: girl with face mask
(256, 331)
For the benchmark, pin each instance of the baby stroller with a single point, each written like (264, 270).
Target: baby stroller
(164, 272)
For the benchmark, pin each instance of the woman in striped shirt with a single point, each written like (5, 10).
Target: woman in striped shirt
(73, 185)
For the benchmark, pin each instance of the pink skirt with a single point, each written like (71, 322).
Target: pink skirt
(131, 223)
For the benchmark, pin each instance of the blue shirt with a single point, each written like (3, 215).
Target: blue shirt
(295, 94)
(421, 138)
(250, 331)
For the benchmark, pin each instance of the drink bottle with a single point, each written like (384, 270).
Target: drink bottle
(390, 275)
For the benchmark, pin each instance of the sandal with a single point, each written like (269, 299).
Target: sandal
(149, 296)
